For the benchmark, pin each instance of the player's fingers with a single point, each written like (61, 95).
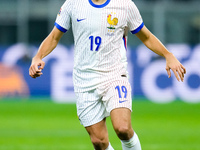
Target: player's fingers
(183, 71)
(176, 74)
(31, 72)
(183, 68)
(42, 64)
(36, 69)
(33, 75)
(36, 75)
(181, 74)
(168, 72)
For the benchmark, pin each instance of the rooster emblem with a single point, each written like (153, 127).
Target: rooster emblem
(112, 22)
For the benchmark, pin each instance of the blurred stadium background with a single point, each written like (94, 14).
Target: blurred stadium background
(40, 114)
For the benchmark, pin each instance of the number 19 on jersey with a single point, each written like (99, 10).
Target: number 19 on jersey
(95, 40)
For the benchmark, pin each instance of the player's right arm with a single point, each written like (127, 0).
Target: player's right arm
(46, 47)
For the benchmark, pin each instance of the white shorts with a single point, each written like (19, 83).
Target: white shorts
(93, 106)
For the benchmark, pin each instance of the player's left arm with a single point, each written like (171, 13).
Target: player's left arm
(156, 46)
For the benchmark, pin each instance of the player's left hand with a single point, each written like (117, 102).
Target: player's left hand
(177, 68)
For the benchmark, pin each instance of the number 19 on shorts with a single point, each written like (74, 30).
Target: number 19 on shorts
(121, 90)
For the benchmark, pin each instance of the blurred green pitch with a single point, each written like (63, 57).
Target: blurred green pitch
(44, 125)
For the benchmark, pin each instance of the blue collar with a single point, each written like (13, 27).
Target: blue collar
(99, 6)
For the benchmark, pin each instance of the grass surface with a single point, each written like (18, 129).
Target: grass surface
(44, 125)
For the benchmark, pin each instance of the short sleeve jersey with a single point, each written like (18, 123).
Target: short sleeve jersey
(99, 38)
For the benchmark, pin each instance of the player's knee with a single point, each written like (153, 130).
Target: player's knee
(99, 143)
(124, 132)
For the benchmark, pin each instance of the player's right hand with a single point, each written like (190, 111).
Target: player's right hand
(36, 67)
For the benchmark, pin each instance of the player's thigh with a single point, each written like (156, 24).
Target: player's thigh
(98, 130)
(121, 120)
(118, 101)
(98, 133)
(121, 117)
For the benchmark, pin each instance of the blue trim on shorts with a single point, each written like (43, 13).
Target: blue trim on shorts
(138, 29)
(99, 6)
(60, 28)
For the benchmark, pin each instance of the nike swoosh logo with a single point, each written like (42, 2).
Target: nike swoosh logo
(122, 101)
(78, 20)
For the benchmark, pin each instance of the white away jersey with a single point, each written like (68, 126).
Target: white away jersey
(99, 37)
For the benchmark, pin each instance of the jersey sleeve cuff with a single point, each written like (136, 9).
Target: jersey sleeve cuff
(60, 28)
(138, 29)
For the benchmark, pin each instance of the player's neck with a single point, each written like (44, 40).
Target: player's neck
(99, 2)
